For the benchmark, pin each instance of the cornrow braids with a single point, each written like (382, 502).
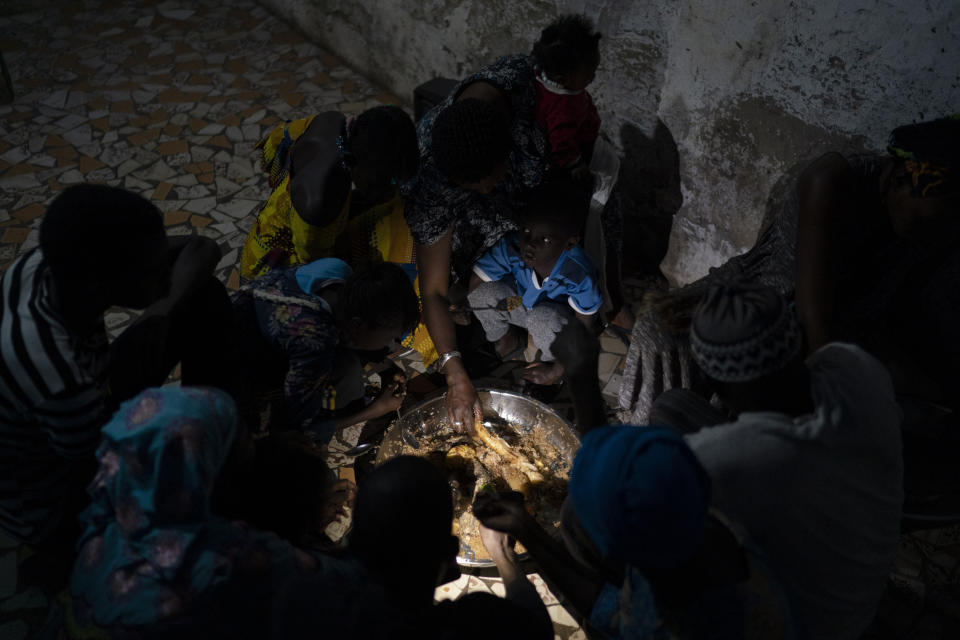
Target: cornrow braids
(568, 43)
(470, 138)
(378, 295)
(385, 138)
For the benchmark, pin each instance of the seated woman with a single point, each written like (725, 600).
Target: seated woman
(482, 151)
(153, 561)
(312, 164)
(304, 332)
(866, 243)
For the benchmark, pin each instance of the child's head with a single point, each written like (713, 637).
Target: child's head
(552, 222)
(404, 504)
(106, 244)
(384, 151)
(282, 487)
(376, 306)
(568, 51)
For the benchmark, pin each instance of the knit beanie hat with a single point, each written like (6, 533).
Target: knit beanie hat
(743, 332)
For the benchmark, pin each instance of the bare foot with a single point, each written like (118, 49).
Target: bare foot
(624, 318)
(509, 343)
(545, 373)
(460, 315)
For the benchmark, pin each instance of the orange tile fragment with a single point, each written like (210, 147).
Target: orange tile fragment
(191, 65)
(199, 221)
(103, 124)
(220, 141)
(233, 282)
(387, 98)
(172, 147)
(171, 218)
(205, 178)
(171, 95)
(161, 191)
(88, 164)
(143, 137)
(17, 235)
(53, 140)
(20, 169)
(122, 106)
(293, 99)
(172, 129)
(236, 65)
(30, 212)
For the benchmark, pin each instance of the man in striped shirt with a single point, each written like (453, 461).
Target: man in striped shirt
(59, 380)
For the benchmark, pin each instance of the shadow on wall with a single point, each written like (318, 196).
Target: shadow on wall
(648, 195)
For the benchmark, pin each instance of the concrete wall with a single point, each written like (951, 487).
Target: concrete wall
(739, 90)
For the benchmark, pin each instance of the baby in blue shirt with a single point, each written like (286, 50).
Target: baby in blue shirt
(537, 278)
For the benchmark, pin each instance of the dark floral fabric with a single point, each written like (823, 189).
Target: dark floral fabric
(283, 328)
(435, 204)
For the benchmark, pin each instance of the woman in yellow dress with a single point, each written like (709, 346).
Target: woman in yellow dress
(335, 182)
(312, 163)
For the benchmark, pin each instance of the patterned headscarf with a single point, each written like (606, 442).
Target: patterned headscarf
(151, 543)
(743, 332)
(640, 494)
(931, 153)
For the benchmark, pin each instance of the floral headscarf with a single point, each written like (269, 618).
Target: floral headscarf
(150, 543)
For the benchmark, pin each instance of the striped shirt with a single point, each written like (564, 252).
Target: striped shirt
(52, 392)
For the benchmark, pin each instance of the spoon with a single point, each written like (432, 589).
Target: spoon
(359, 450)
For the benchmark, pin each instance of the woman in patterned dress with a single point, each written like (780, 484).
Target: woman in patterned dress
(481, 151)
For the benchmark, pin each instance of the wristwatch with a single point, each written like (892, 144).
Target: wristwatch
(446, 357)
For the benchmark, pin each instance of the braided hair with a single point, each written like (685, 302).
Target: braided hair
(385, 138)
(567, 44)
(470, 138)
(378, 295)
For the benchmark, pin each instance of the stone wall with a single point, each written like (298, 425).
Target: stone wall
(737, 91)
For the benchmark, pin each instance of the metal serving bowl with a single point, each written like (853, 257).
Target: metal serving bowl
(524, 415)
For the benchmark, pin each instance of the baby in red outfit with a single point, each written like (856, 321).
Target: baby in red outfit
(567, 55)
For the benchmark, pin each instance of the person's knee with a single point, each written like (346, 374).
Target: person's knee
(548, 318)
(489, 293)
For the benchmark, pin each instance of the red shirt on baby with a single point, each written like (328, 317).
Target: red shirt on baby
(570, 120)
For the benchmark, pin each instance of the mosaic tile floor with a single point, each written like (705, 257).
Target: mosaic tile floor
(167, 100)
